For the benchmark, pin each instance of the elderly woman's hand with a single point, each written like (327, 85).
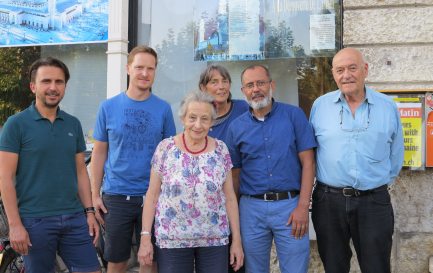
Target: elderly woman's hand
(236, 255)
(145, 253)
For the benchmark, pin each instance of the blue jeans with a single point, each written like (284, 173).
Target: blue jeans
(368, 220)
(261, 221)
(212, 259)
(66, 234)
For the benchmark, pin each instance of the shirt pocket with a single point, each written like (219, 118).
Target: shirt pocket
(375, 146)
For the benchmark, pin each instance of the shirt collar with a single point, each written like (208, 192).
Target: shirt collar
(37, 116)
(338, 96)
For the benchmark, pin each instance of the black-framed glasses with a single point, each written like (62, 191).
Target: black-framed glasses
(364, 125)
(259, 84)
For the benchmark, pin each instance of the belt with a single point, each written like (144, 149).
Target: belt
(349, 191)
(274, 196)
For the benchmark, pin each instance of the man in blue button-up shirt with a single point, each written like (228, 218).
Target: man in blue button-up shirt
(360, 152)
(272, 153)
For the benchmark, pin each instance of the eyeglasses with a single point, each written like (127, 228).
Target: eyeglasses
(259, 84)
(363, 126)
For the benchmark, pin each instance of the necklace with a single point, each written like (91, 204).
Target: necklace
(191, 152)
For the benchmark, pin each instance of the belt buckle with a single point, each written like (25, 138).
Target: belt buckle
(348, 192)
(265, 197)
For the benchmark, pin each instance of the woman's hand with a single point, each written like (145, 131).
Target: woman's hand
(236, 255)
(145, 253)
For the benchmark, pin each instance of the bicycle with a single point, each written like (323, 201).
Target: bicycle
(11, 261)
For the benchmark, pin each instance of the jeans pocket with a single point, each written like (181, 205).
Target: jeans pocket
(318, 196)
(381, 198)
(30, 223)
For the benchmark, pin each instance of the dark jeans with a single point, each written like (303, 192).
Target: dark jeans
(123, 217)
(368, 220)
(183, 260)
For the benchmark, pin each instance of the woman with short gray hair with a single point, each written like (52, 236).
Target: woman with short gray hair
(191, 198)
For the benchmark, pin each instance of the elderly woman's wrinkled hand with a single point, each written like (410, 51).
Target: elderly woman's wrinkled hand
(145, 253)
(236, 255)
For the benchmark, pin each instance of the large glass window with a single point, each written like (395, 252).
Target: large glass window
(84, 92)
(296, 39)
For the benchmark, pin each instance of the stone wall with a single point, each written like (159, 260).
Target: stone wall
(396, 38)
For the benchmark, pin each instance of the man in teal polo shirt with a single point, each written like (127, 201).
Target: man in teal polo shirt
(44, 181)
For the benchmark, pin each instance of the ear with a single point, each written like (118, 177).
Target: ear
(273, 86)
(127, 69)
(366, 70)
(33, 87)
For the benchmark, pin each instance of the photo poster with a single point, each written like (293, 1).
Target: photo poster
(52, 22)
(262, 29)
(411, 113)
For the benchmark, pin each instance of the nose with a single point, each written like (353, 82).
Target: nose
(346, 73)
(53, 85)
(144, 72)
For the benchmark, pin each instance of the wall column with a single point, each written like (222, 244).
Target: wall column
(117, 47)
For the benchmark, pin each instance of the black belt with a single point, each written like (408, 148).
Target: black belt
(275, 196)
(349, 191)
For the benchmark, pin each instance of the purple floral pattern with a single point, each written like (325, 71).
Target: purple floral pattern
(191, 208)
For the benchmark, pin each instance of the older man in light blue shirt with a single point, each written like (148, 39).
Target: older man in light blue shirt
(360, 151)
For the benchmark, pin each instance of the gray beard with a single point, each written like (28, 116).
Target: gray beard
(257, 105)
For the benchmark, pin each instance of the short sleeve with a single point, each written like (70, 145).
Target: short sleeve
(233, 148)
(157, 158)
(10, 138)
(227, 161)
(81, 143)
(100, 129)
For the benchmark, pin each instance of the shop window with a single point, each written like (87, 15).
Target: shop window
(295, 39)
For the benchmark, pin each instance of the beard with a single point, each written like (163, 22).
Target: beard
(47, 103)
(257, 105)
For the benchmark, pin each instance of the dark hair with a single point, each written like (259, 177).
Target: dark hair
(206, 76)
(268, 74)
(142, 49)
(48, 61)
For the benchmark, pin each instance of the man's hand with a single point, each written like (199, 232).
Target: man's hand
(19, 239)
(99, 208)
(93, 227)
(299, 221)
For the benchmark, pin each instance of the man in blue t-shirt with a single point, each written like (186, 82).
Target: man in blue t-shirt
(128, 128)
(272, 152)
(44, 182)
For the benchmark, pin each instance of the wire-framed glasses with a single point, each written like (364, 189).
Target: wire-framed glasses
(354, 127)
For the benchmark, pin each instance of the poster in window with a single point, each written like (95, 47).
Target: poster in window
(261, 29)
(46, 22)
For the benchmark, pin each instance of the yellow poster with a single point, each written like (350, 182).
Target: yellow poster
(411, 119)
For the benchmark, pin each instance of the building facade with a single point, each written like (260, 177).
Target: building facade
(394, 35)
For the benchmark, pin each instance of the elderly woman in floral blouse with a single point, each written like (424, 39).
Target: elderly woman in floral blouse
(191, 198)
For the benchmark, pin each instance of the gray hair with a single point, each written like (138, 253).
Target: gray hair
(196, 96)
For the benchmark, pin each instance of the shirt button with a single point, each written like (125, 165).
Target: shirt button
(270, 174)
(269, 156)
(266, 138)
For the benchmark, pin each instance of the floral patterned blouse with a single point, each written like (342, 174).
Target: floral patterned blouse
(191, 208)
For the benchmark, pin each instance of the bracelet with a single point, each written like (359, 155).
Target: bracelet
(145, 233)
(89, 210)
